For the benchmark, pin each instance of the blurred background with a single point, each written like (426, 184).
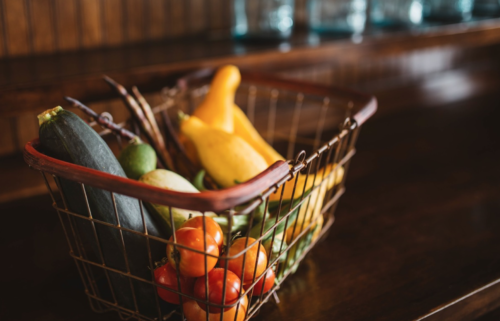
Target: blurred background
(426, 171)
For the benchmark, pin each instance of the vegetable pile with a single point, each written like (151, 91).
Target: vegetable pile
(219, 139)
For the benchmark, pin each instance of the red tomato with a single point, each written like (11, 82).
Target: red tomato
(253, 256)
(167, 276)
(193, 312)
(213, 229)
(192, 264)
(270, 276)
(216, 287)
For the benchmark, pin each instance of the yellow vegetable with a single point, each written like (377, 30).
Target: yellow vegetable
(216, 110)
(312, 205)
(244, 128)
(226, 157)
(333, 179)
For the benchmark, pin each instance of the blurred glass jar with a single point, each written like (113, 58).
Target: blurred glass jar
(263, 19)
(396, 13)
(486, 8)
(337, 16)
(448, 10)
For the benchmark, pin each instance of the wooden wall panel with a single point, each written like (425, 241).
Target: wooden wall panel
(26, 128)
(197, 16)
(47, 26)
(42, 26)
(17, 27)
(135, 20)
(89, 15)
(177, 23)
(114, 33)
(3, 40)
(67, 25)
(157, 25)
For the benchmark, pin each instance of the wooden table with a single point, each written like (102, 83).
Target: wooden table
(416, 235)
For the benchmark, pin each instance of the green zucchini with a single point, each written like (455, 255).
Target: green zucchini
(63, 135)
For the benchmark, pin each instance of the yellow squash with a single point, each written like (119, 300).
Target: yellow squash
(226, 157)
(333, 179)
(244, 128)
(312, 205)
(216, 110)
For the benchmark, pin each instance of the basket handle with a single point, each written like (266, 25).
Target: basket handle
(215, 201)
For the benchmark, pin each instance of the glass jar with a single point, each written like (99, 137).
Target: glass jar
(448, 10)
(272, 19)
(338, 16)
(486, 8)
(396, 13)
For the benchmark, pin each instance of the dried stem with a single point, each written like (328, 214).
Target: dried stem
(103, 121)
(146, 108)
(137, 113)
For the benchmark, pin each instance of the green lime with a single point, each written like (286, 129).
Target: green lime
(137, 159)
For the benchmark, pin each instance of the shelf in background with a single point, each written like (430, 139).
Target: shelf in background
(26, 82)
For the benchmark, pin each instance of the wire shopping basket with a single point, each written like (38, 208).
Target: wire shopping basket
(314, 126)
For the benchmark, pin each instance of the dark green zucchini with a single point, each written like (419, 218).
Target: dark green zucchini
(63, 135)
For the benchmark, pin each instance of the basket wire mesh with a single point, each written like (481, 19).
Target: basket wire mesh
(296, 122)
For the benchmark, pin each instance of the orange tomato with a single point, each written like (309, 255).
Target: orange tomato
(167, 276)
(192, 264)
(216, 284)
(255, 259)
(212, 228)
(193, 311)
(268, 285)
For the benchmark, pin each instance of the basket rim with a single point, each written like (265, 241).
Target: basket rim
(215, 201)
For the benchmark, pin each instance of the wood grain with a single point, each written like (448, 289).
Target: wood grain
(177, 24)
(135, 20)
(67, 25)
(90, 23)
(113, 22)
(17, 27)
(3, 32)
(43, 28)
(158, 23)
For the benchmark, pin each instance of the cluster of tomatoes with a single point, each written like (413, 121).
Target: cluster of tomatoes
(193, 268)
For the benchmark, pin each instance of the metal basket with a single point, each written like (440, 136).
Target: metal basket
(317, 124)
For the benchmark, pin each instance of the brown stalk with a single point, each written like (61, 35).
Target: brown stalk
(103, 121)
(146, 108)
(138, 115)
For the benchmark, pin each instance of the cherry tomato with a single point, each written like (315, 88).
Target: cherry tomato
(270, 276)
(215, 289)
(192, 264)
(213, 229)
(253, 256)
(193, 311)
(167, 276)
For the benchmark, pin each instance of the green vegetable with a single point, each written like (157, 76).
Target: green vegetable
(277, 246)
(240, 222)
(63, 135)
(137, 159)
(198, 180)
(268, 224)
(295, 252)
(171, 181)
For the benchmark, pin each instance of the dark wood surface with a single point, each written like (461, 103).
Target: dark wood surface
(416, 230)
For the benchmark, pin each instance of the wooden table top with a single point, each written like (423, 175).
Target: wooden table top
(417, 231)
